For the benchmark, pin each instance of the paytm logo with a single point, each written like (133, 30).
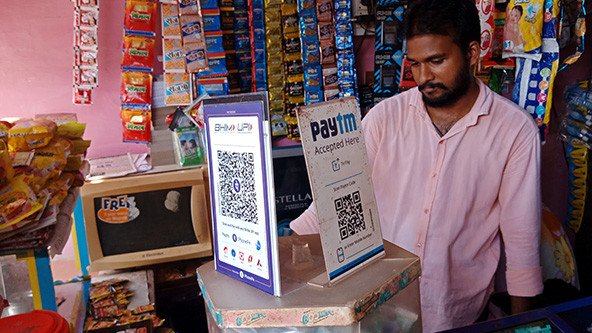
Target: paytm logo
(331, 127)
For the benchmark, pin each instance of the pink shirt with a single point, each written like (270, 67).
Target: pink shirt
(447, 199)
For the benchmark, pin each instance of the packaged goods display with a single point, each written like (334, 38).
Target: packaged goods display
(38, 170)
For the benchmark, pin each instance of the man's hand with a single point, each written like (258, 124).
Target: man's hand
(522, 304)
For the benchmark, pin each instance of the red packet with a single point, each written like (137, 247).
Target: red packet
(85, 58)
(140, 16)
(136, 125)
(82, 96)
(138, 53)
(136, 88)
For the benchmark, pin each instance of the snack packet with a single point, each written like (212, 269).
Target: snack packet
(136, 88)
(6, 169)
(173, 55)
(17, 202)
(138, 53)
(140, 17)
(27, 134)
(177, 89)
(137, 125)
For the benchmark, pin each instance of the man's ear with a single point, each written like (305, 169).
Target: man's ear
(473, 52)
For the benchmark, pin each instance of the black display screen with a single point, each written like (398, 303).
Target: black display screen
(144, 221)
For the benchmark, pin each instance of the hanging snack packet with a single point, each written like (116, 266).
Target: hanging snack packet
(140, 17)
(188, 7)
(173, 55)
(17, 202)
(28, 134)
(86, 38)
(138, 53)
(192, 29)
(177, 89)
(85, 58)
(86, 17)
(523, 31)
(136, 88)
(195, 56)
(171, 26)
(86, 77)
(136, 125)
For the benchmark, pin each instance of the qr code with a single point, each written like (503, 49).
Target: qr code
(238, 198)
(350, 214)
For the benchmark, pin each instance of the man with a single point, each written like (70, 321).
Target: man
(455, 168)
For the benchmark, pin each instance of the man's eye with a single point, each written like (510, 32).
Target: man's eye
(438, 61)
(413, 64)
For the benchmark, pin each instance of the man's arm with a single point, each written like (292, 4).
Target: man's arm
(520, 219)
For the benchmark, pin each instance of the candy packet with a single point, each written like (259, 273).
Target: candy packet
(177, 89)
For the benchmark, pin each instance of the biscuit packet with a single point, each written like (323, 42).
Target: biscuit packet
(17, 202)
(177, 89)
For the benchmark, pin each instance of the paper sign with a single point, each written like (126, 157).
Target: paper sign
(341, 184)
(241, 186)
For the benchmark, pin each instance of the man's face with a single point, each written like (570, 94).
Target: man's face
(440, 68)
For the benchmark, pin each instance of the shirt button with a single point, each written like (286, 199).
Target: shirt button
(418, 244)
(426, 211)
(434, 175)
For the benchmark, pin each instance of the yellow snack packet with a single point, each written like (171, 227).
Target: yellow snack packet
(28, 134)
(17, 202)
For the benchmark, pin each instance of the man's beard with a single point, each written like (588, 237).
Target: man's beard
(462, 82)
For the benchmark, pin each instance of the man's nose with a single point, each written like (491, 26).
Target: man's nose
(423, 74)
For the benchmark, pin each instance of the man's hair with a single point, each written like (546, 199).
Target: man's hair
(458, 19)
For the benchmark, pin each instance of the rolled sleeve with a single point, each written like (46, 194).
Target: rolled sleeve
(520, 202)
(525, 282)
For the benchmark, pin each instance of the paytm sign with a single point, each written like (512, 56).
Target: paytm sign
(331, 127)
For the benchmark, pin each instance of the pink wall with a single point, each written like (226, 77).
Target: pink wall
(36, 68)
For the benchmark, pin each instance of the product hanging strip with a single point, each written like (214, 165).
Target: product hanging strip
(227, 26)
(344, 43)
(293, 68)
(534, 79)
(85, 72)
(242, 45)
(137, 64)
(311, 56)
(576, 130)
(325, 16)
(275, 67)
(258, 49)
(213, 81)
(389, 46)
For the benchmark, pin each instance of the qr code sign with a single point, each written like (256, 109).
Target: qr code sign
(238, 198)
(350, 214)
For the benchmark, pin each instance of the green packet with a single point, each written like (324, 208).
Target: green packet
(188, 150)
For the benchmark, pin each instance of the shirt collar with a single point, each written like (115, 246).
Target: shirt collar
(481, 106)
